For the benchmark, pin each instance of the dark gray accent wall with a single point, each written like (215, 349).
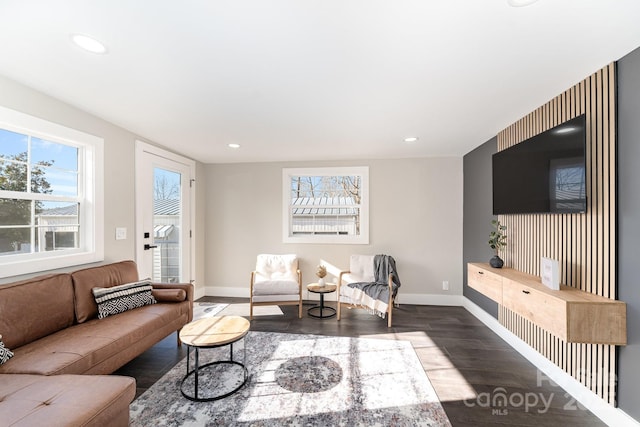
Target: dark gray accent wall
(629, 228)
(478, 215)
(478, 209)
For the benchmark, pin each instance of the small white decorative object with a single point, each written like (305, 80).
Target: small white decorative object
(321, 271)
(550, 273)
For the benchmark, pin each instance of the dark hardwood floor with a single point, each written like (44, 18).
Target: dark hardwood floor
(479, 378)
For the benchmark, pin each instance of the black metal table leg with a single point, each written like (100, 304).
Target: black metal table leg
(321, 307)
(196, 373)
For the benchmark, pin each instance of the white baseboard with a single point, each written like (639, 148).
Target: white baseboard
(226, 291)
(198, 293)
(417, 299)
(429, 299)
(607, 413)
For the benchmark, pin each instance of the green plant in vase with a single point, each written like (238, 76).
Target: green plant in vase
(497, 241)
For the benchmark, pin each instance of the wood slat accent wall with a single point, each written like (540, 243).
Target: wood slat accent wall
(584, 244)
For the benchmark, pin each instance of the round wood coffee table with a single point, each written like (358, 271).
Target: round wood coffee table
(321, 289)
(212, 332)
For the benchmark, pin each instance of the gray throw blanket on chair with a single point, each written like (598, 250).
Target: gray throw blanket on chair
(383, 265)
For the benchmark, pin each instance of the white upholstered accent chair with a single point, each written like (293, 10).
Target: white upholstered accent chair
(362, 269)
(276, 281)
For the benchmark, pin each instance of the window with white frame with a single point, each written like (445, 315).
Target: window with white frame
(50, 195)
(326, 205)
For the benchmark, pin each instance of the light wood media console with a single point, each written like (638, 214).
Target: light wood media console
(571, 314)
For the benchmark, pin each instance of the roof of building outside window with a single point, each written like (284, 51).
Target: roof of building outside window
(160, 207)
(324, 206)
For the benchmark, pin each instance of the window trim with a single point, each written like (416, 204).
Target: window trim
(362, 239)
(91, 188)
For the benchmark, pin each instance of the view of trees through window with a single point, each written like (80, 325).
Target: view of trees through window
(38, 194)
(166, 185)
(327, 204)
(166, 225)
(315, 187)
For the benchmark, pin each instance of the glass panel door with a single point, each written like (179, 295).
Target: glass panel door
(163, 215)
(166, 225)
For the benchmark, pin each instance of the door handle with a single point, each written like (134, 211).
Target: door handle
(148, 246)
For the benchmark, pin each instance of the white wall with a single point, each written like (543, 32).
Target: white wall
(415, 215)
(416, 210)
(119, 164)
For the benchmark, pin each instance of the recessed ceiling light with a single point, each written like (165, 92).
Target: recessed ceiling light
(520, 3)
(233, 145)
(411, 139)
(88, 43)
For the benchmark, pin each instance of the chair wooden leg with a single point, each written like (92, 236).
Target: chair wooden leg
(250, 310)
(300, 310)
(390, 316)
(338, 307)
(178, 337)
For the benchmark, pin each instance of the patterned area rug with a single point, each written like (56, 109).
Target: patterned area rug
(300, 380)
(210, 309)
(207, 309)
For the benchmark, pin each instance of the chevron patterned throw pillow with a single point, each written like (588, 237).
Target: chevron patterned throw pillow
(5, 353)
(121, 298)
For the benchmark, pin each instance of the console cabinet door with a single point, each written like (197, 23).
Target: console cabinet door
(544, 310)
(485, 282)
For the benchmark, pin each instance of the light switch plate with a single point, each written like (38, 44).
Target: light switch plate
(121, 233)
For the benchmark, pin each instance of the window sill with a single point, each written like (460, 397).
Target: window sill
(16, 266)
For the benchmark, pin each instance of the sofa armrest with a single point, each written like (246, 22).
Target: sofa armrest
(187, 287)
(169, 295)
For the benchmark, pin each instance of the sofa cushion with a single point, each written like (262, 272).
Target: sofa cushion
(98, 345)
(34, 308)
(65, 400)
(104, 276)
(121, 298)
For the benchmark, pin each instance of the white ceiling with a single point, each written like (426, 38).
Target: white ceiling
(312, 79)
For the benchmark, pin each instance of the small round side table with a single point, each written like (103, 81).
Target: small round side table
(212, 332)
(321, 289)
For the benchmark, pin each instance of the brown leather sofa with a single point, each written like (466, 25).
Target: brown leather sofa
(62, 351)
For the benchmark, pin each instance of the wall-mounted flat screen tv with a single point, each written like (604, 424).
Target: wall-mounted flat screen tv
(543, 174)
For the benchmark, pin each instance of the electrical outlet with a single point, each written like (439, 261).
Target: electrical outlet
(121, 233)
(445, 285)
